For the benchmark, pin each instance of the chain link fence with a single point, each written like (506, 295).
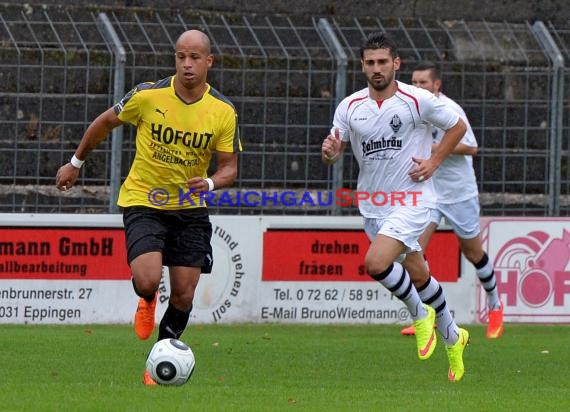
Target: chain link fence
(60, 68)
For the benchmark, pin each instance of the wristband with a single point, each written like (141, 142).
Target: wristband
(210, 184)
(75, 162)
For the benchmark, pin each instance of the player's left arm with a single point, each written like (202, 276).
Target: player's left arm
(460, 149)
(224, 175)
(449, 141)
(227, 153)
(467, 146)
(226, 171)
(227, 149)
(425, 168)
(463, 149)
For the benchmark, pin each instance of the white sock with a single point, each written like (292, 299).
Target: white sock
(486, 275)
(432, 294)
(397, 281)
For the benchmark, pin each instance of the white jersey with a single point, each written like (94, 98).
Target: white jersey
(385, 135)
(454, 179)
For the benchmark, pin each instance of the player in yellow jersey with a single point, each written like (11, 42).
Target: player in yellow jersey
(181, 121)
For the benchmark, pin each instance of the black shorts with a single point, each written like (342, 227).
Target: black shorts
(182, 236)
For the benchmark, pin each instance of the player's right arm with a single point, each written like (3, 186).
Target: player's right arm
(334, 144)
(332, 147)
(97, 131)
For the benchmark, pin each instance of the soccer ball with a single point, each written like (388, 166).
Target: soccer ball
(170, 362)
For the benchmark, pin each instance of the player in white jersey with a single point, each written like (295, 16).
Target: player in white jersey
(388, 127)
(458, 198)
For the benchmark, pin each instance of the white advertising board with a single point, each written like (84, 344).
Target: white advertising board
(531, 257)
(64, 269)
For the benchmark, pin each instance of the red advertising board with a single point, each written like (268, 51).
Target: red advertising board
(338, 255)
(48, 253)
(444, 256)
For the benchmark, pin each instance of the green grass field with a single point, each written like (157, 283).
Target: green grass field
(268, 367)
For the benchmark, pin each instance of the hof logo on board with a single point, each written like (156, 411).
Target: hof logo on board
(532, 271)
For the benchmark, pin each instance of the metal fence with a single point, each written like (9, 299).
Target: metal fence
(60, 67)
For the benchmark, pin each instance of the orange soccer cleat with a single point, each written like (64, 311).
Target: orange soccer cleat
(147, 380)
(144, 318)
(495, 326)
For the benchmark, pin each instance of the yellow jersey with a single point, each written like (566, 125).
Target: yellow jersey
(174, 142)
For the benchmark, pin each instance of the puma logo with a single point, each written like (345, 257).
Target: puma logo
(161, 112)
(169, 330)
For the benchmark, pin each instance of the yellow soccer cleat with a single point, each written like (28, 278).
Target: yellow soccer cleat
(425, 334)
(411, 330)
(455, 356)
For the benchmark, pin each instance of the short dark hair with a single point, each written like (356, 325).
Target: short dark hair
(428, 65)
(379, 40)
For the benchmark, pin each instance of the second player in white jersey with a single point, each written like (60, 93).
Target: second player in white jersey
(458, 199)
(455, 180)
